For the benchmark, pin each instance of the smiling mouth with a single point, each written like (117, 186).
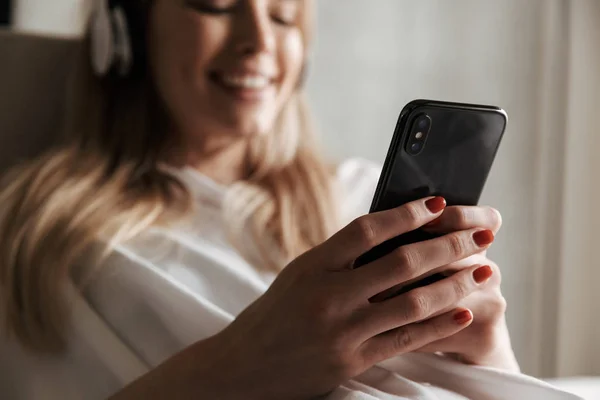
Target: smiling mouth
(245, 86)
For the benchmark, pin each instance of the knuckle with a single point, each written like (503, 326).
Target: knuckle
(403, 340)
(323, 311)
(438, 329)
(410, 215)
(498, 306)
(407, 258)
(461, 288)
(456, 245)
(418, 306)
(365, 231)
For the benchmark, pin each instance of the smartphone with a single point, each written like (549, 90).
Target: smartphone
(438, 149)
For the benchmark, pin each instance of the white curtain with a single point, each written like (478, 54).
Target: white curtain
(566, 329)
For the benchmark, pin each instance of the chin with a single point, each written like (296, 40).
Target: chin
(249, 127)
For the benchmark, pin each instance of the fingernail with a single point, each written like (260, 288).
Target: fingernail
(436, 204)
(462, 317)
(482, 274)
(483, 238)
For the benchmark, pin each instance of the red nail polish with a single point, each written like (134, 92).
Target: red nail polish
(483, 238)
(482, 274)
(462, 317)
(436, 204)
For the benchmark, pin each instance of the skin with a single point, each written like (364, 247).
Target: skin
(332, 332)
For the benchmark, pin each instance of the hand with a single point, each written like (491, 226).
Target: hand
(486, 341)
(315, 327)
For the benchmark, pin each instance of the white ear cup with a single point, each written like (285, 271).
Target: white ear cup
(102, 41)
(122, 46)
(110, 41)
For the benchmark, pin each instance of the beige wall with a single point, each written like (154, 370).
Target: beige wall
(56, 17)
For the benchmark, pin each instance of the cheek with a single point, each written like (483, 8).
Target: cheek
(291, 59)
(199, 46)
(182, 48)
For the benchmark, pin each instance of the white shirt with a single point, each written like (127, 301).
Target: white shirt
(170, 288)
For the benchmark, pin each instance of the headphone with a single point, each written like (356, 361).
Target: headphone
(117, 39)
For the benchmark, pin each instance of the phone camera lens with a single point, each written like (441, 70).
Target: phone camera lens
(423, 123)
(416, 147)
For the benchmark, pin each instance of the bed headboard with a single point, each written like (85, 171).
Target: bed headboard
(33, 81)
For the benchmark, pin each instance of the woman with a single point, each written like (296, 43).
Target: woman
(141, 258)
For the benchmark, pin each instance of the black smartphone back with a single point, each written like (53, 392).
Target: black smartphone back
(438, 149)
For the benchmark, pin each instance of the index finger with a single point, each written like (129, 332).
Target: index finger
(370, 230)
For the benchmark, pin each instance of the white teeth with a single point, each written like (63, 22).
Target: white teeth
(246, 82)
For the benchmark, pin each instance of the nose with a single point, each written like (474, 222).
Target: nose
(255, 31)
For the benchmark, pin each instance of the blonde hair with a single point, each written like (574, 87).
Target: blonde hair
(104, 186)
